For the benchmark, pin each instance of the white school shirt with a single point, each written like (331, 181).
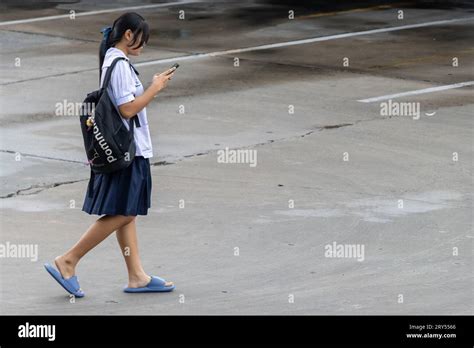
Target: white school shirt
(124, 86)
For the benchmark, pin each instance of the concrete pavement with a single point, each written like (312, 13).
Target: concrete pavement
(391, 184)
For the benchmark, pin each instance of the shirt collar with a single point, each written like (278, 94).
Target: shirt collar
(113, 53)
(118, 53)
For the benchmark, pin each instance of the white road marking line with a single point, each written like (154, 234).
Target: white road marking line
(305, 41)
(418, 91)
(92, 13)
(173, 59)
(291, 43)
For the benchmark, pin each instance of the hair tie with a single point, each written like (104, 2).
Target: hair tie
(106, 32)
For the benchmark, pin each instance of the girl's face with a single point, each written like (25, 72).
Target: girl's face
(134, 50)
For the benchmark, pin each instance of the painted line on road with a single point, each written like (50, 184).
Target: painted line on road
(92, 13)
(418, 91)
(268, 46)
(353, 10)
(306, 41)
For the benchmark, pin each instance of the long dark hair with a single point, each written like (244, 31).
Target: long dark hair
(114, 34)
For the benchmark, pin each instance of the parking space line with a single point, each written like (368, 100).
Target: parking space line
(92, 13)
(416, 92)
(353, 10)
(274, 45)
(305, 41)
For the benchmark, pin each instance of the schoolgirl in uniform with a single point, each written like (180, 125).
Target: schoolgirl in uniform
(122, 195)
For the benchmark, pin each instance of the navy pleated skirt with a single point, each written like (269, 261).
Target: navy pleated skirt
(123, 192)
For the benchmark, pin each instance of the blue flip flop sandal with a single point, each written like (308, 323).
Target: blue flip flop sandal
(156, 284)
(71, 285)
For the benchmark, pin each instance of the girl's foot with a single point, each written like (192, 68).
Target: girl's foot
(142, 281)
(65, 267)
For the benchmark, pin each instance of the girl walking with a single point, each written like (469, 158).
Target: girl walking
(121, 195)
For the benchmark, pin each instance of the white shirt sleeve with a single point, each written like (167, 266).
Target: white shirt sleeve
(122, 83)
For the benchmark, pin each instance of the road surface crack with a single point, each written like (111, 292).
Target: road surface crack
(34, 189)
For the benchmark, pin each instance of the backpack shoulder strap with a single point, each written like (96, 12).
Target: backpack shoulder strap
(136, 71)
(137, 121)
(107, 78)
(135, 118)
(108, 74)
(90, 187)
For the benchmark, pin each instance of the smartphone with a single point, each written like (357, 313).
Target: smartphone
(175, 66)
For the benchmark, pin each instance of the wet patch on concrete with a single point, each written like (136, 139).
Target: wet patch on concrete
(27, 204)
(379, 210)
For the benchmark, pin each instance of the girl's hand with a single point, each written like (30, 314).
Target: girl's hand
(161, 80)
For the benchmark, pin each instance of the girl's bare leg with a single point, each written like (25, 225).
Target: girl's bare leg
(127, 239)
(96, 233)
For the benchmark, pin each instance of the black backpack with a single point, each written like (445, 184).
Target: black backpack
(109, 145)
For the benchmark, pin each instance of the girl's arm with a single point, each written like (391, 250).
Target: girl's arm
(130, 109)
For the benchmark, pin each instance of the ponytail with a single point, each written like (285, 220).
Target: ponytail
(104, 46)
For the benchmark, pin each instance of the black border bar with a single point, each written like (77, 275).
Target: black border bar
(224, 330)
